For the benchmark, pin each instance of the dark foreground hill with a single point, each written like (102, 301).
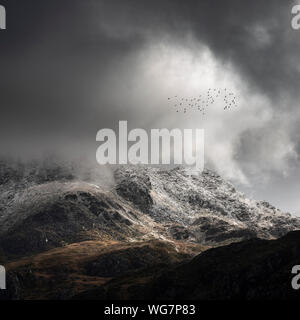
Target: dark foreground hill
(64, 272)
(250, 270)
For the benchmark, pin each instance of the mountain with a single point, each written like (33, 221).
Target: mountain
(145, 203)
(201, 208)
(145, 220)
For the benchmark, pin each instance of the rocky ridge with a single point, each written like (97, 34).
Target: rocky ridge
(64, 237)
(202, 208)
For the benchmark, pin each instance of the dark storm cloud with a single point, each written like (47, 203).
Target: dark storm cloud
(255, 36)
(53, 51)
(51, 56)
(63, 63)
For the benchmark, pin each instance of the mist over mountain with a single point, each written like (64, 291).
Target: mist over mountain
(73, 229)
(86, 65)
(142, 218)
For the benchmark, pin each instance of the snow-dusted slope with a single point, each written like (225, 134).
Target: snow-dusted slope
(39, 211)
(202, 208)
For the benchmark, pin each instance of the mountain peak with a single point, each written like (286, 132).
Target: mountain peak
(201, 202)
(54, 207)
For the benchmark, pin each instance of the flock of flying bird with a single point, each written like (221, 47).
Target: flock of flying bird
(202, 102)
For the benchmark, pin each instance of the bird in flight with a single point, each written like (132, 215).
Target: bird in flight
(202, 101)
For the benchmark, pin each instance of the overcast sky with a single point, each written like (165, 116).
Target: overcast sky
(70, 68)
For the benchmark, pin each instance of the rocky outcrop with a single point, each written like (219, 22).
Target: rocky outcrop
(145, 203)
(55, 214)
(208, 208)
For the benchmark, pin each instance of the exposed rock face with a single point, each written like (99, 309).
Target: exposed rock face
(55, 214)
(146, 203)
(206, 208)
(135, 188)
